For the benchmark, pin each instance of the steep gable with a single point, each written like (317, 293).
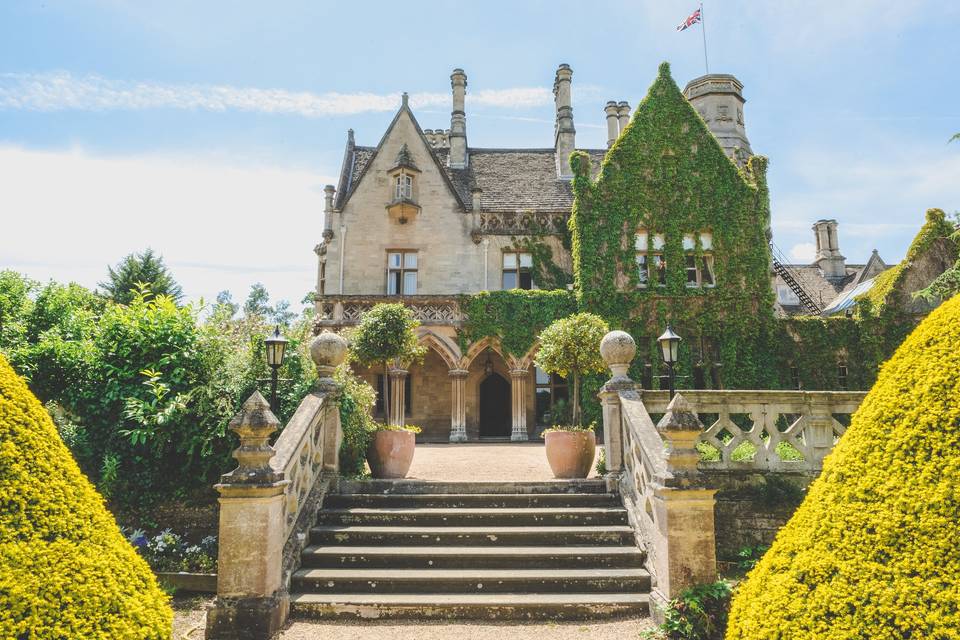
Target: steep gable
(405, 129)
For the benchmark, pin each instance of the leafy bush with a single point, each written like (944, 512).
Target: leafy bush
(698, 613)
(65, 569)
(571, 347)
(872, 551)
(356, 400)
(397, 427)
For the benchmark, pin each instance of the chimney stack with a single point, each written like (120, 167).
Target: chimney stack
(718, 98)
(458, 121)
(613, 126)
(623, 110)
(829, 259)
(328, 193)
(564, 133)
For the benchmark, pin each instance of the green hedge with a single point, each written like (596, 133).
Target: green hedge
(872, 551)
(65, 569)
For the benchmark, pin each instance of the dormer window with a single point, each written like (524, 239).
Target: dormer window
(404, 187)
(403, 200)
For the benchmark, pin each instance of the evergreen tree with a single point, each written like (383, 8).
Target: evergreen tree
(138, 269)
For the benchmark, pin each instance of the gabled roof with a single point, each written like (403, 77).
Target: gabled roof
(510, 179)
(351, 174)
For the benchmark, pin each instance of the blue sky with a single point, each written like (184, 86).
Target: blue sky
(207, 130)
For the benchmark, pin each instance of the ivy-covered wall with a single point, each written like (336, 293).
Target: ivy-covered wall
(668, 175)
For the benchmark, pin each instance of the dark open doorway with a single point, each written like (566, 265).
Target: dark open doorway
(495, 411)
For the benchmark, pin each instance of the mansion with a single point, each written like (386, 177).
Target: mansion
(423, 217)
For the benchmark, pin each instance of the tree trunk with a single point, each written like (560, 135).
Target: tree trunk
(386, 392)
(575, 418)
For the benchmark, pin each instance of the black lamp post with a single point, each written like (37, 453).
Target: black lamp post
(275, 346)
(670, 350)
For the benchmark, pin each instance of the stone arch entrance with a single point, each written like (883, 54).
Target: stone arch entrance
(495, 407)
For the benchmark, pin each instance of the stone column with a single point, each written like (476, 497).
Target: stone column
(683, 506)
(398, 405)
(819, 433)
(458, 408)
(250, 600)
(328, 350)
(518, 396)
(617, 349)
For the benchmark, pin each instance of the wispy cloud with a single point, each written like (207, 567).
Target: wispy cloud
(62, 91)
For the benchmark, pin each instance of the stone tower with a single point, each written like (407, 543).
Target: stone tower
(718, 97)
(829, 258)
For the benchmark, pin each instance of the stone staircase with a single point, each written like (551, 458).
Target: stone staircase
(471, 550)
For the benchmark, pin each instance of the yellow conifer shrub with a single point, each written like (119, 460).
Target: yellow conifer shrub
(65, 569)
(874, 550)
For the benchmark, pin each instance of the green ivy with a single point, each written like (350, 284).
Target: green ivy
(515, 317)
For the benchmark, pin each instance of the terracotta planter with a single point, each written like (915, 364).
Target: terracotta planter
(391, 453)
(570, 453)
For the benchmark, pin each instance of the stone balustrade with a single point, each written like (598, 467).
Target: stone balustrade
(765, 430)
(345, 310)
(268, 501)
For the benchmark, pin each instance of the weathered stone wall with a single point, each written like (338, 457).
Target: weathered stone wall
(751, 507)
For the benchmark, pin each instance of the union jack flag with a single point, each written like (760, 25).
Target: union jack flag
(691, 20)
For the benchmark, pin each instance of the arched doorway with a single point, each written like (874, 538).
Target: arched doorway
(495, 414)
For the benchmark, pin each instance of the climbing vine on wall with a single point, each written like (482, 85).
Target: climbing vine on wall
(514, 317)
(667, 175)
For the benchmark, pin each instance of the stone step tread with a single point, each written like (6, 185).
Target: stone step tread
(483, 599)
(467, 574)
(520, 552)
(595, 486)
(475, 510)
(427, 531)
(480, 496)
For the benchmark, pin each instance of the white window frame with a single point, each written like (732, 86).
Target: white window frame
(700, 267)
(403, 187)
(522, 263)
(407, 264)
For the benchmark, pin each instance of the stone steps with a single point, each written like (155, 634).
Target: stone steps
(470, 500)
(457, 557)
(475, 550)
(474, 517)
(507, 606)
(471, 580)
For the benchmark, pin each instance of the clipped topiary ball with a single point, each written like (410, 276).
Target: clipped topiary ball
(874, 550)
(65, 569)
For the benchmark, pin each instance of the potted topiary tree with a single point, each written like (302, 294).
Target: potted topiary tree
(386, 334)
(570, 347)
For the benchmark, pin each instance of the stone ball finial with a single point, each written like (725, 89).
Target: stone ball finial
(328, 350)
(618, 349)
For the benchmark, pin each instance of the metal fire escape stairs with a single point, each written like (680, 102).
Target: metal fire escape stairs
(792, 280)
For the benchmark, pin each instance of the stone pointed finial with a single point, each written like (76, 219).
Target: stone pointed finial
(617, 350)
(680, 416)
(328, 350)
(254, 424)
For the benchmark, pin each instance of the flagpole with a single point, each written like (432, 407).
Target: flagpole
(703, 29)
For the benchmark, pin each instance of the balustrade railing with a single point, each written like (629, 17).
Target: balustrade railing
(765, 430)
(345, 310)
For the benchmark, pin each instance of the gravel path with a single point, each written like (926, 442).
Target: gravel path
(370, 630)
(481, 461)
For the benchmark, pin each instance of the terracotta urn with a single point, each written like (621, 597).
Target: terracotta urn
(570, 453)
(391, 453)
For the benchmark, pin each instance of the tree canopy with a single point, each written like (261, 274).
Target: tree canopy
(137, 270)
(571, 347)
